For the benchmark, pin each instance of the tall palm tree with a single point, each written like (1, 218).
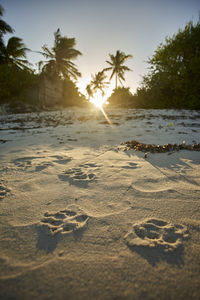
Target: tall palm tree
(117, 66)
(98, 82)
(59, 58)
(14, 53)
(4, 28)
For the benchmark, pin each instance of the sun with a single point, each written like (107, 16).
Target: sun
(98, 100)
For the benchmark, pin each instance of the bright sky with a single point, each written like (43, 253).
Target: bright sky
(100, 27)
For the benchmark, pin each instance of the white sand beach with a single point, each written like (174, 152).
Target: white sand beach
(82, 217)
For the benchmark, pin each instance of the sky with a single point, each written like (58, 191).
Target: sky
(100, 27)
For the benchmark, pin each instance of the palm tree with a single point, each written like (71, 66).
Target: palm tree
(117, 66)
(59, 58)
(14, 53)
(4, 28)
(98, 82)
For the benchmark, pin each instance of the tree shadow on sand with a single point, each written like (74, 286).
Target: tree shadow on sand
(175, 162)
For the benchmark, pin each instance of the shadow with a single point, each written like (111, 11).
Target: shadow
(173, 161)
(62, 161)
(46, 241)
(3, 192)
(131, 166)
(78, 234)
(155, 255)
(40, 168)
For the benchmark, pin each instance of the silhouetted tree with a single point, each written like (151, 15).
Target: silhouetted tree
(14, 53)
(98, 82)
(117, 66)
(71, 95)
(175, 71)
(59, 58)
(4, 28)
(121, 97)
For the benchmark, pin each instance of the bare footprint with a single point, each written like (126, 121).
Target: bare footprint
(65, 221)
(155, 233)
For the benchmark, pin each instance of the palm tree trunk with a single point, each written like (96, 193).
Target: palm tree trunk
(116, 80)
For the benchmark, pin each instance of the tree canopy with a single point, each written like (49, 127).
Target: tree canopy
(59, 58)
(117, 66)
(173, 80)
(4, 27)
(122, 97)
(98, 82)
(14, 53)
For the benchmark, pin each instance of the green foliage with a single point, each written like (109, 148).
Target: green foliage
(14, 53)
(174, 79)
(59, 58)
(4, 28)
(71, 95)
(15, 83)
(16, 79)
(121, 97)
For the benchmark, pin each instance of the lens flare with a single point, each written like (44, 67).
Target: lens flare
(98, 100)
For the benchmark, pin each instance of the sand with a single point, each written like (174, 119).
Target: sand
(84, 218)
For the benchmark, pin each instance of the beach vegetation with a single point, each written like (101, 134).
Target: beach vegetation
(99, 82)
(14, 53)
(122, 97)
(117, 66)
(71, 94)
(4, 28)
(173, 80)
(59, 59)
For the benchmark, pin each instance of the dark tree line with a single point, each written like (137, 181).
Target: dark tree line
(174, 77)
(18, 81)
(172, 82)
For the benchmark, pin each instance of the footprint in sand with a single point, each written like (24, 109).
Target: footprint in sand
(33, 162)
(3, 191)
(64, 221)
(43, 166)
(78, 176)
(155, 233)
(61, 159)
(24, 163)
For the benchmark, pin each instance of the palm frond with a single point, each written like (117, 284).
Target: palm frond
(4, 27)
(47, 53)
(62, 53)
